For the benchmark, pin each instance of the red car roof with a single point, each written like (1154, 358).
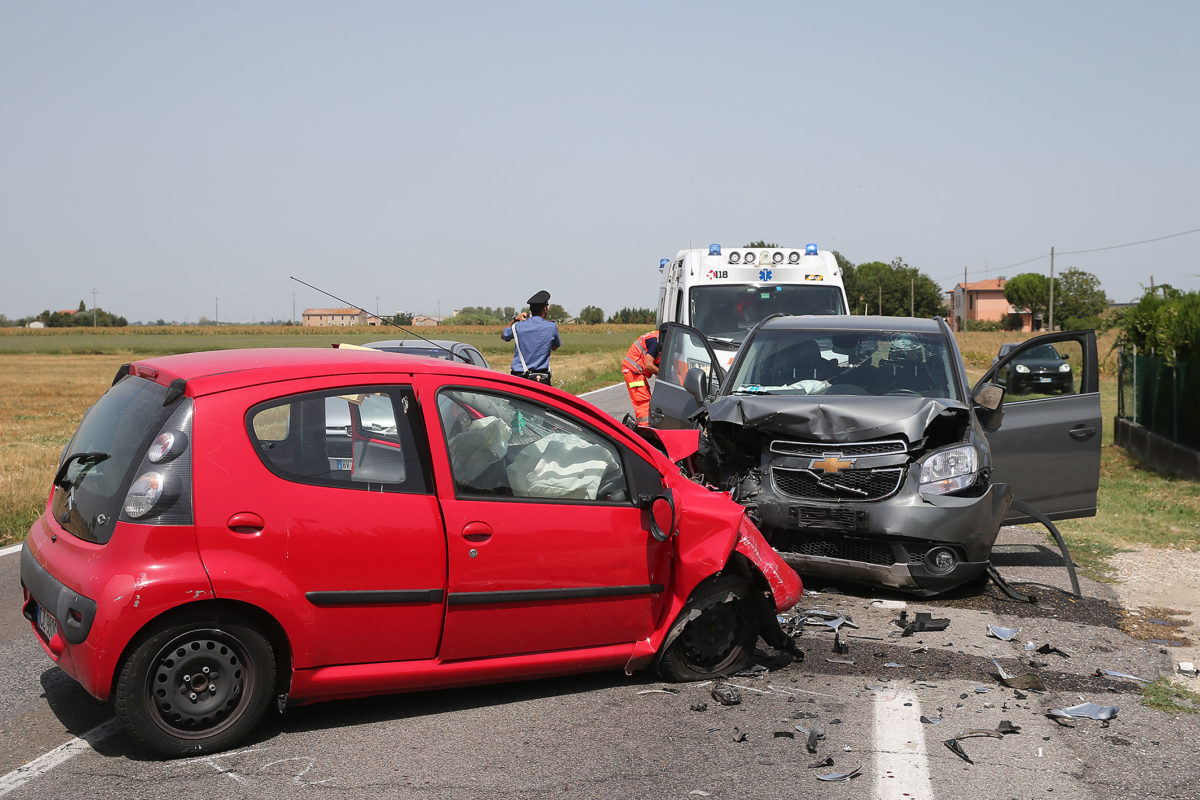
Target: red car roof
(219, 370)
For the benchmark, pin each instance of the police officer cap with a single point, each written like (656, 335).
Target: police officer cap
(540, 299)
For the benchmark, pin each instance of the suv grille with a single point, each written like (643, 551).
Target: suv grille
(819, 449)
(850, 484)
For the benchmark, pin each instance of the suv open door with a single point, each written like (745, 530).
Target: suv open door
(685, 348)
(1047, 446)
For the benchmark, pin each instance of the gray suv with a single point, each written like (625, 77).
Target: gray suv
(862, 453)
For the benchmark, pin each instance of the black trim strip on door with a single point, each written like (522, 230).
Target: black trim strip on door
(531, 595)
(374, 597)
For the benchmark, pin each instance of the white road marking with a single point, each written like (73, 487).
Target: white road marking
(12, 548)
(44, 763)
(901, 762)
(597, 391)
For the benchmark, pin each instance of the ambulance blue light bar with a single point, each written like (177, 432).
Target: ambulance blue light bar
(714, 249)
(662, 263)
(810, 249)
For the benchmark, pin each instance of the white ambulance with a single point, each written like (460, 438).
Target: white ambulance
(723, 293)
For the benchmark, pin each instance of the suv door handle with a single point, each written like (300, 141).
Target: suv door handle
(657, 415)
(1082, 433)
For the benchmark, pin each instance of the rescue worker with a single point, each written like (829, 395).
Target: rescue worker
(534, 337)
(641, 362)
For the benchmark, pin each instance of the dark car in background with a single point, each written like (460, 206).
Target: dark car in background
(1039, 368)
(862, 453)
(432, 348)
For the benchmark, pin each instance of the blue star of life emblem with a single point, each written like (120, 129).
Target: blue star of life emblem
(764, 274)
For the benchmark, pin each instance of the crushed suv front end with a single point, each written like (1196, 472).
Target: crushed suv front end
(910, 507)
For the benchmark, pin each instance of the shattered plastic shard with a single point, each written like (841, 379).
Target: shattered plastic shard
(1110, 673)
(1046, 649)
(826, 762)
(1187, 668)
(1089, 710)
(1030, 680)
(1004, 674)
(700, 707)
(957, 749)
(726, 696)
(1003, 634)
(738, 735)
(840, 776)
(1006, 727)
(930, 720)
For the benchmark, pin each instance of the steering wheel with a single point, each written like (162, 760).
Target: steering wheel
(612, 487)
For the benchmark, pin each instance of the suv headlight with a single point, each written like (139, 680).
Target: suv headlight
(949, 470)
(1021, 368)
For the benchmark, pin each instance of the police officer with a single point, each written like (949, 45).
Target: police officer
(533, 337)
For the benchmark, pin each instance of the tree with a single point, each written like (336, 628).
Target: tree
(402, 318)
(632, 315)
(82, 306)
(556, 312)
(591, 315)
(1078, 300)
(902, 290)
(1030, 290)
(761, 243)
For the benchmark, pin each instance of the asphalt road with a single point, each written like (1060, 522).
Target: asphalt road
(612, 736)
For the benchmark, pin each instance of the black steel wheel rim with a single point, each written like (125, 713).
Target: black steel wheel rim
(198, 683)
(712, 640)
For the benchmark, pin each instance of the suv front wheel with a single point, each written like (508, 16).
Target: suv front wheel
(196, 687)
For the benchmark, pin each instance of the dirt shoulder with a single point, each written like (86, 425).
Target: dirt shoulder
(1157, 586)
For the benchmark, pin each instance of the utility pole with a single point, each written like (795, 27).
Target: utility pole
(1051, 326)
(216, 311)
(293, 308)
(93, 306)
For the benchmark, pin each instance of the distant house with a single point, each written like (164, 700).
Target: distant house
(37, 323)
(984, 300)
(333, 317)
(424, 321)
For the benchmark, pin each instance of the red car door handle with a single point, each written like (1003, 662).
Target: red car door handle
(1082, 433)
(477, 531)
(246, 522)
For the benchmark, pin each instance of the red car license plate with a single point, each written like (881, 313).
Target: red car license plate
(47, 624)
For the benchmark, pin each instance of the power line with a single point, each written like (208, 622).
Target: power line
(988, 270)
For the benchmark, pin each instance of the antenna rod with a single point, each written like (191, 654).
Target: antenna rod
(453, 356)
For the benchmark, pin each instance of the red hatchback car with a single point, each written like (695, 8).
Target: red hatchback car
(232, 528)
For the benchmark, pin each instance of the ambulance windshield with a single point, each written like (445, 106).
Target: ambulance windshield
(728, 312)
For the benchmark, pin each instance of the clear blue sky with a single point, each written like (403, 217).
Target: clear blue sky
(426, 156)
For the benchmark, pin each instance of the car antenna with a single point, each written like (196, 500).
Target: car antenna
(453, 355)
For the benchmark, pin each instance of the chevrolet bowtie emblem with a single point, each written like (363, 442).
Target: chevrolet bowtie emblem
(830, 464)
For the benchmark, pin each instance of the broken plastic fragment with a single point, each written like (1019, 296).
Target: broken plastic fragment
(977, 732)
(923, 622)
(839, 776)
(1110, 673)
(659, 691)
(1030, 645)
(841, 661)
(1046, 649)
(957, 749)
(785, 734)
(1003, 634)
(894, 664)
(699, 706)
(1089, 710)
(1004, 674)
(1030, 680)
(738, 735)
(825, 762)
(981, 689)
(1188, 668)
(1006, 727)
(811, 736)
(726, 696)
(931, 720)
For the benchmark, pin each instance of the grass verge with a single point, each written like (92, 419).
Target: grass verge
(1166, 695)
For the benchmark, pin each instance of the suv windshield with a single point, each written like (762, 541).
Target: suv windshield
(798, 362)
(120, 426)
(729, 312)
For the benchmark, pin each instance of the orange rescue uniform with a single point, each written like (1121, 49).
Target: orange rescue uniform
(636, 369)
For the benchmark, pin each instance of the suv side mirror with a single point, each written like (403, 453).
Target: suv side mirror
(989, 397)
(696, 384)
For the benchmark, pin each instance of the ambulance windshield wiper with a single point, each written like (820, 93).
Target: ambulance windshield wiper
(86, 459)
